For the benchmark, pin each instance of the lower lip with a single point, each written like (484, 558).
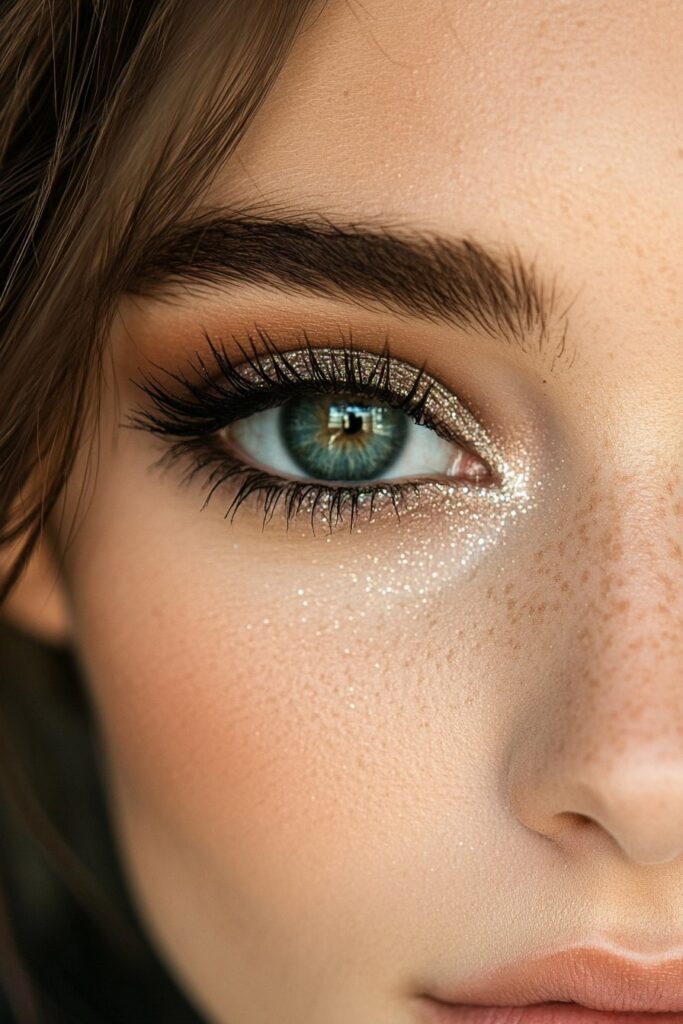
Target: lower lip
(538, 1013)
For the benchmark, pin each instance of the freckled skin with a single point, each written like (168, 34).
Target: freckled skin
(340, 765)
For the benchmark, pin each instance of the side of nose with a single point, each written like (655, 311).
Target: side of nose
(598, 758)
(629, 794)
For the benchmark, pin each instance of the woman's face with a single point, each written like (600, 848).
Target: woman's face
(355, 762)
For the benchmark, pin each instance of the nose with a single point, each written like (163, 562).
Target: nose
(597, 758)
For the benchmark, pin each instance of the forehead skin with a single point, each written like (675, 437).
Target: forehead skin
(557, 126)
(341, 848)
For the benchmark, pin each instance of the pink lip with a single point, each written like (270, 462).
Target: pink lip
(538, 1013)
(595, 979)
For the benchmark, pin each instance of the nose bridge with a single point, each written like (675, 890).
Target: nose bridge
(607, 741)
(630, 633)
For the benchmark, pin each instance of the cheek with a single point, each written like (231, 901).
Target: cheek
(284, 709)
(267, 681)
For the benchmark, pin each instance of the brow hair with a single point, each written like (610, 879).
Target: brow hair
(458, 281)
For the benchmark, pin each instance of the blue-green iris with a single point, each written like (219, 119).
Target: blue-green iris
(343, 439)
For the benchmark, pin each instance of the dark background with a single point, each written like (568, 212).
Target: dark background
(61, 884)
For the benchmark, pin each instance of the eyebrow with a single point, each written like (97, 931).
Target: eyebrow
(457, 281)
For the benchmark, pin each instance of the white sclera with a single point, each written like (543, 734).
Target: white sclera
(424, 453)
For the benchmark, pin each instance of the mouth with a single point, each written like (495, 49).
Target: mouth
(580, 985)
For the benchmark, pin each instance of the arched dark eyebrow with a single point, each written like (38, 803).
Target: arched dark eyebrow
(458, 281)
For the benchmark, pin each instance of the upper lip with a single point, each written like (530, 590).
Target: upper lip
(598, 979)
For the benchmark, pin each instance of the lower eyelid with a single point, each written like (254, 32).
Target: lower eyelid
(255, 490)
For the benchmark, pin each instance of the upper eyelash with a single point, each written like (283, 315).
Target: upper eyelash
(216, 400)
(191, 418)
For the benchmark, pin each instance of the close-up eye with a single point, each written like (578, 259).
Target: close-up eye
(314, 425)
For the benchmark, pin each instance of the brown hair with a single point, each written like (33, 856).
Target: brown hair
(114, 114)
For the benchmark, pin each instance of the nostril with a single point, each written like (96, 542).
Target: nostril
(570, 824)
(580, 820)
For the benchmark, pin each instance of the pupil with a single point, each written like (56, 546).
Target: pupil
(352, 422)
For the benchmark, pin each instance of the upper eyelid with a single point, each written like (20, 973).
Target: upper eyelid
(419, 384)
(370, 372)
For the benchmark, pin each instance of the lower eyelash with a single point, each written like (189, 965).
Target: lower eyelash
(328, 504)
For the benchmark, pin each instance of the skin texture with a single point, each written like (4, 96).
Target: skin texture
(348, 769)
